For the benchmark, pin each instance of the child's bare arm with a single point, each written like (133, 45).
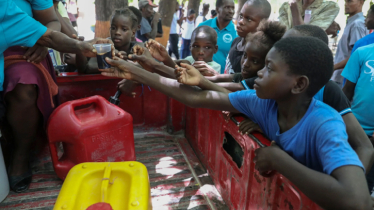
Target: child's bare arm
(190, 76)
(231, 86)
(145, 59)
(190, 96)
(359, 141)
(345, 188)
(221, 78)
(159, 52)
(204, 68)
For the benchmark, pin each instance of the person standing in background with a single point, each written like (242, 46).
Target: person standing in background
(147, 30)
(369, 39)
(187, 30)
(202, 16)
(354, 30)
(225, 29)
(315, 12)
(174, 36)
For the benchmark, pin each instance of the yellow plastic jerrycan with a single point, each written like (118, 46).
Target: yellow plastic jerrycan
(123, 185)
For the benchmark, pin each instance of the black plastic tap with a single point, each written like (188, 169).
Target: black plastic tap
(115, 99)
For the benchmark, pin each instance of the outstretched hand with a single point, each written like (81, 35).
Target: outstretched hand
(204, 68)
(143, 57)
(188, 75)
(120, 68)
(157, 50)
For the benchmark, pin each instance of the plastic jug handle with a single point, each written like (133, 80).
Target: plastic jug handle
(98, 100)
(54, 154)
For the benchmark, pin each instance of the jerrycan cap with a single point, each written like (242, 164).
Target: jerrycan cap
(100, 206)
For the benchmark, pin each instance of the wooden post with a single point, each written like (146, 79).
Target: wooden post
(166, 9)
(104, 9)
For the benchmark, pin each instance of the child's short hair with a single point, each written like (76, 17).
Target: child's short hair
(307, 56)
(372, 9)
(137, 13)
(208, 30)
(268, 33)
(213, 12)
(263, 5)
(191, 12)
(313, 31)
(127, 13)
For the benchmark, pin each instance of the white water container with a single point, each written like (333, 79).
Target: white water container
(4, 183)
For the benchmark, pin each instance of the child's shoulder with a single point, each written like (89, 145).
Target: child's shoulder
(320, 113)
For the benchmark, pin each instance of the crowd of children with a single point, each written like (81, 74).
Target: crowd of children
(318, 143)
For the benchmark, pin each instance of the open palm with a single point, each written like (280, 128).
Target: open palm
(188, 75)
(157, 50)
(120, 69)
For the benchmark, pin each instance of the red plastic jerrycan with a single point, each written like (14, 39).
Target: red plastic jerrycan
(91, 130)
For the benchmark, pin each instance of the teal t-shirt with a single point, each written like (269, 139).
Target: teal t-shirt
(224, 41)
(360, 70)
(28, 5)
(16, 29)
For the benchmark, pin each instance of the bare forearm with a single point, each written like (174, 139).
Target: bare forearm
(169, 62)
(191, 96)
(80, 62)
(231, 86)
(341, 64)
(205, 84)
(66, 27)
(163, 70)
(359, 141)
(59, 42)
(221, 78)
(296, 16)
(321, 188)
(153, 33)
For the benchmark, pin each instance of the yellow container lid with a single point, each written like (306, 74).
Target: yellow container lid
(124, 185)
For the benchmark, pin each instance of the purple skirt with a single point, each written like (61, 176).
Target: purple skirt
(27, 73)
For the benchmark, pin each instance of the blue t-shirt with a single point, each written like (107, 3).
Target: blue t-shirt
(145, 27)
(360, 70)
(28, 5)
(224, 40)
(16, 29)
(318, 141)
(366, 40)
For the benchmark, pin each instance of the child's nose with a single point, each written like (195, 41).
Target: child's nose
(261, 73)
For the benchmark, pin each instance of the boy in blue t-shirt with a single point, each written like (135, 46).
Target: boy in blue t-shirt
(313, 150)
(359, 88)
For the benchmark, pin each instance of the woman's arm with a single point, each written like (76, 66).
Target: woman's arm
(48, 18)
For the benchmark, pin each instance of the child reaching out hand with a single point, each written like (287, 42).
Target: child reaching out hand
(203, 47)
(313, 152)
(124, 25)
(253, 59)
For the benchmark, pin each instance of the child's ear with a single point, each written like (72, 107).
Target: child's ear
(216, 49)
(302, 84)
(134, 32)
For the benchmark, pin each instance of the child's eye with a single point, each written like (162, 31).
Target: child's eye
(255, 61)
(125, 29)
(268, 68)
(207, 47)
(113, 28)
(249, 19)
